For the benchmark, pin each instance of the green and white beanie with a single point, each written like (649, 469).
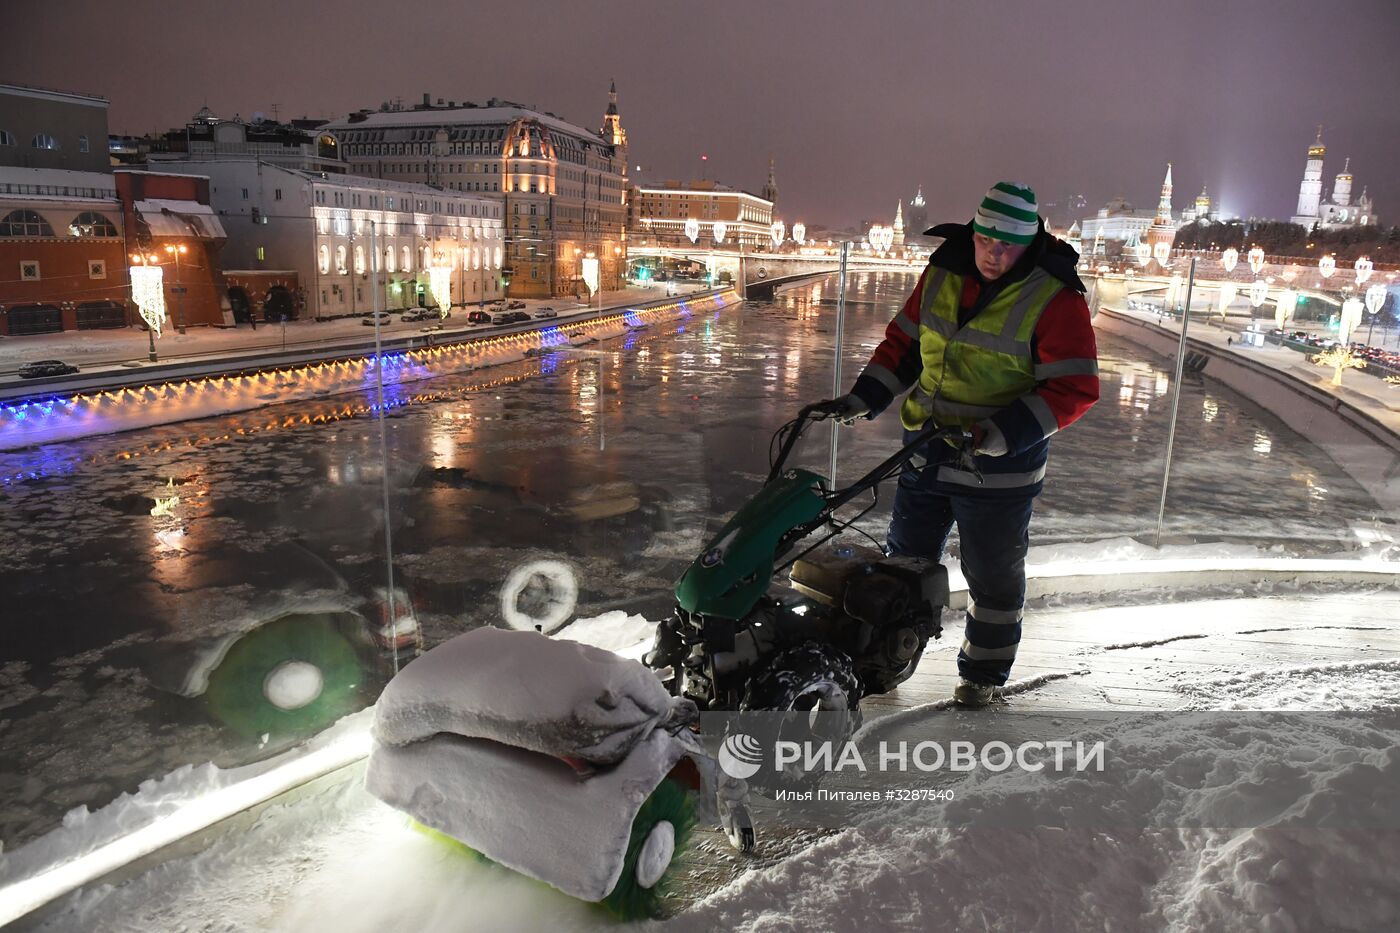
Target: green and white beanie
(1008, 212)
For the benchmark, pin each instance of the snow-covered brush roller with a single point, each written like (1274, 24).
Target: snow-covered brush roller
(559, 760)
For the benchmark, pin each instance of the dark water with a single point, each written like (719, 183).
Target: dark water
(154, 582)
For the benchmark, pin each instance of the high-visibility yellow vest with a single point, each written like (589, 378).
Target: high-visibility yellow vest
(972, 372)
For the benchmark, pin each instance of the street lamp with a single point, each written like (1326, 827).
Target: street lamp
(177, 251)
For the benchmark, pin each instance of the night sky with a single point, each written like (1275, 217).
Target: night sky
(859, 102)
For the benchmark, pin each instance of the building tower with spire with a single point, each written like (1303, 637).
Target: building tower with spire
(770, 190)
(899, 225)
(1163, 229)
(612, 130)
(918, 215)
(1310, 191)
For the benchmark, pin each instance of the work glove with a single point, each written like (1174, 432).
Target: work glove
(846, 409)
(987, 440)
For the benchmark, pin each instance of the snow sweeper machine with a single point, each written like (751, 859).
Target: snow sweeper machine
(586, 770)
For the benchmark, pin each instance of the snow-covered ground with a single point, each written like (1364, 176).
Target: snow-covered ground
(1221, 824)
(489, 474)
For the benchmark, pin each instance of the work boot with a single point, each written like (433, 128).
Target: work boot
(973, 695)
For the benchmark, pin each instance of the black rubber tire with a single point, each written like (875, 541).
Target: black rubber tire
(792, 675)
(798, 681)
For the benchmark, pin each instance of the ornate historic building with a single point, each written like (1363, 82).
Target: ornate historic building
(724, 216)
(1337, 211)
(563, 188)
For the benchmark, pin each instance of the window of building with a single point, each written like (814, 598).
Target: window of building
(6, 138)
(323, 259)
(245, 194)
(24, 223)
(29, 270)
(97, 268)
(407, 256)
(359, 260)
(262, 254)
(44, 141)
(82, 144)
(276, 194)
(340, 257)
(91, 223)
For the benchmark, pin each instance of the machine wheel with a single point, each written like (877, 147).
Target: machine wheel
(293, 676)
(817, 686)
(811, 677)
(660, 833)
(739, 830)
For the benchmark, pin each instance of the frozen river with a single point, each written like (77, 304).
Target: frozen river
(153, 581)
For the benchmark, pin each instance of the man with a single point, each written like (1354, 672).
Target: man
(996, 339)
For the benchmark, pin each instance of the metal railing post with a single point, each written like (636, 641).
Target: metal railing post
(1176, 403)
(836, 367)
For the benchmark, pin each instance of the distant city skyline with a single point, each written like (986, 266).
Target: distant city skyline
(859, 106)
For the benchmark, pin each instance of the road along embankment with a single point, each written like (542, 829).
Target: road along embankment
(223, 386)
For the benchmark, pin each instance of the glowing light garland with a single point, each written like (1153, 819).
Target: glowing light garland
(719, 230)
(1258, 292)
(1256, 260)
(1143, 253)
(1363, 267)
(1326, 266)
(590, 274)
(799, 233)
(148, 291)
(778, 231)
(411, 364)
(1350, 319)
(1227, 295)
(440, 284)
(692, 229)
(1375, 298)
(1229, 258)
(1284, 304)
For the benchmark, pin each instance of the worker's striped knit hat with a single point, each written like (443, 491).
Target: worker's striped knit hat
(1008, 212)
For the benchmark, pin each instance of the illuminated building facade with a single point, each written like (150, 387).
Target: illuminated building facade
(562, 188)
(346, 236)
(658, 215)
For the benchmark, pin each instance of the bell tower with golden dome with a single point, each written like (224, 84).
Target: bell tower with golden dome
(1310, 191)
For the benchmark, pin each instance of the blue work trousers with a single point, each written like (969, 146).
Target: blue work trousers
(993, 533)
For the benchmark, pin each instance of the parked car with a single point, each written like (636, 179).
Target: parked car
(417, 314)
(383, 317)
(41, 368)
(515, 317)
(479, 317)
(514, 305)
(545, 313)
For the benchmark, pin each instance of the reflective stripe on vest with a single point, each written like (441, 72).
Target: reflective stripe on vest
(972, 372)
